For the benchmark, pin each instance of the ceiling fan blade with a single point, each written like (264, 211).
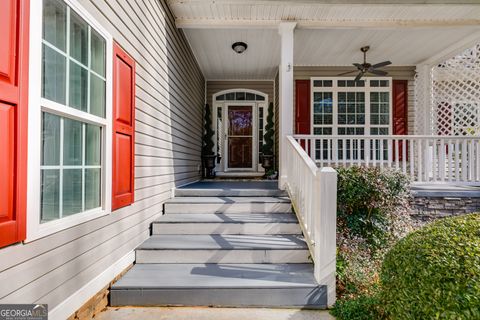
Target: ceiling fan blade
(344, 73)
(358, 65)
(359, 76)
(378, 72)
(381, 64)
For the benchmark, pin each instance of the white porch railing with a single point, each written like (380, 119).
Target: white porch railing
(424, 158)
(313, 192)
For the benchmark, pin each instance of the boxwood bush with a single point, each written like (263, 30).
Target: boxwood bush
(434, 273)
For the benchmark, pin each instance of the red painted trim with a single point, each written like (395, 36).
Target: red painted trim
(400, 112)
(400, 107)
(302, 107)
(14, 92)
(123, 168)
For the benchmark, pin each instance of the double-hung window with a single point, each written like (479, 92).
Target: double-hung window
(344, 107)
(70, 115)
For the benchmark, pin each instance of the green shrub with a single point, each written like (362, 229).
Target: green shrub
(369, 200)
(434, 273)
(363, 307)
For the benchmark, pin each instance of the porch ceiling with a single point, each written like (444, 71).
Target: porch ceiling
(329, 33)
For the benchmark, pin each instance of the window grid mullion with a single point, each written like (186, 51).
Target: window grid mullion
(89, 62)
(67, 78)
(84, 129)
(60, 189)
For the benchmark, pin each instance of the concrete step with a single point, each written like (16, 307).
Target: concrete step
(228, 205)
(231, 285)
(223, 249)
(228, 223)
(231, 189)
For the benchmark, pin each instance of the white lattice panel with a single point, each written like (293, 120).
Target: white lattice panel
(456, 95)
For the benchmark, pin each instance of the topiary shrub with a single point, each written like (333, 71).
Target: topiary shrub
(434, 273)
(267, 147)
(208, 133)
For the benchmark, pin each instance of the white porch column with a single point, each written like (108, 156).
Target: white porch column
(285, 70)
(423, 100)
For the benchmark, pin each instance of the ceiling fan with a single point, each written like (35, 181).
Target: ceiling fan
(366, 67)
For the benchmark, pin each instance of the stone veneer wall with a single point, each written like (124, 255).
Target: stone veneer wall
(433, 207)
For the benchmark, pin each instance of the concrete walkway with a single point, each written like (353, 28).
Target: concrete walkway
(181, 313)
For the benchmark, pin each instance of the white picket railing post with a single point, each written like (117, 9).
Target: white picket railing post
(325, 211)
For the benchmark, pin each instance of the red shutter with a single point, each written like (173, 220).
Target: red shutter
(123, 148)
(400, 107)
(14, 19)
(302, 107)
(400, 111)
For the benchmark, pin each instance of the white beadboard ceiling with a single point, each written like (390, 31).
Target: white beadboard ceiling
(328, 33)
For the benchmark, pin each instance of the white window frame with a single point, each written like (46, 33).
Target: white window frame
(37, 105)
(335, 89)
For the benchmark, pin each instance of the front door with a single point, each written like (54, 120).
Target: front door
(240, 137)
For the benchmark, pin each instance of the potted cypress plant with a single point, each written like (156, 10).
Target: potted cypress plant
(208, 156)
(267, 147)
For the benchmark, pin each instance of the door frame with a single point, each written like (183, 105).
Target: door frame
(254, 134)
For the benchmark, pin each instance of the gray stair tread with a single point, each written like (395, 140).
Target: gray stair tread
(232, 185)
(227, 218)
(152, 276)
(224, 242)
(228, 200)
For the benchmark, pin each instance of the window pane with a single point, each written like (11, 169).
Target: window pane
(53, 75)
(97, 96)
(78, 38)
(259, 98)
(72, 142)
(50, 139)
(54, 23)
(240, 96)
(97, 53)
(72, 191)
(230, 96)
(92, 145)
(78, 86)
(50, 196)
(92, 188)
(221, 97)
(250, 96)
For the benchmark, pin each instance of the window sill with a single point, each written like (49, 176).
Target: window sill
(41, 230)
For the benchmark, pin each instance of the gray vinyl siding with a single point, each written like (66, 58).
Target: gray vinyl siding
(169, 99)
(397, 73)
(217, 86)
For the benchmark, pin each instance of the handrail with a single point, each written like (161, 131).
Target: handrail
(424, 158)
(313, 193)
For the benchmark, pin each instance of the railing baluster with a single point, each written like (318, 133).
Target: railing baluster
(404, 156)
(366, 151)
(381, 152)
(420, 157)
(463, 160)
(477, 160)
(434, 159)
(412, 159)
(457, 161)
(442, 160)
(396, 154)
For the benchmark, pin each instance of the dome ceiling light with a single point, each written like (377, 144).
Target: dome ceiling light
(239, 47)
